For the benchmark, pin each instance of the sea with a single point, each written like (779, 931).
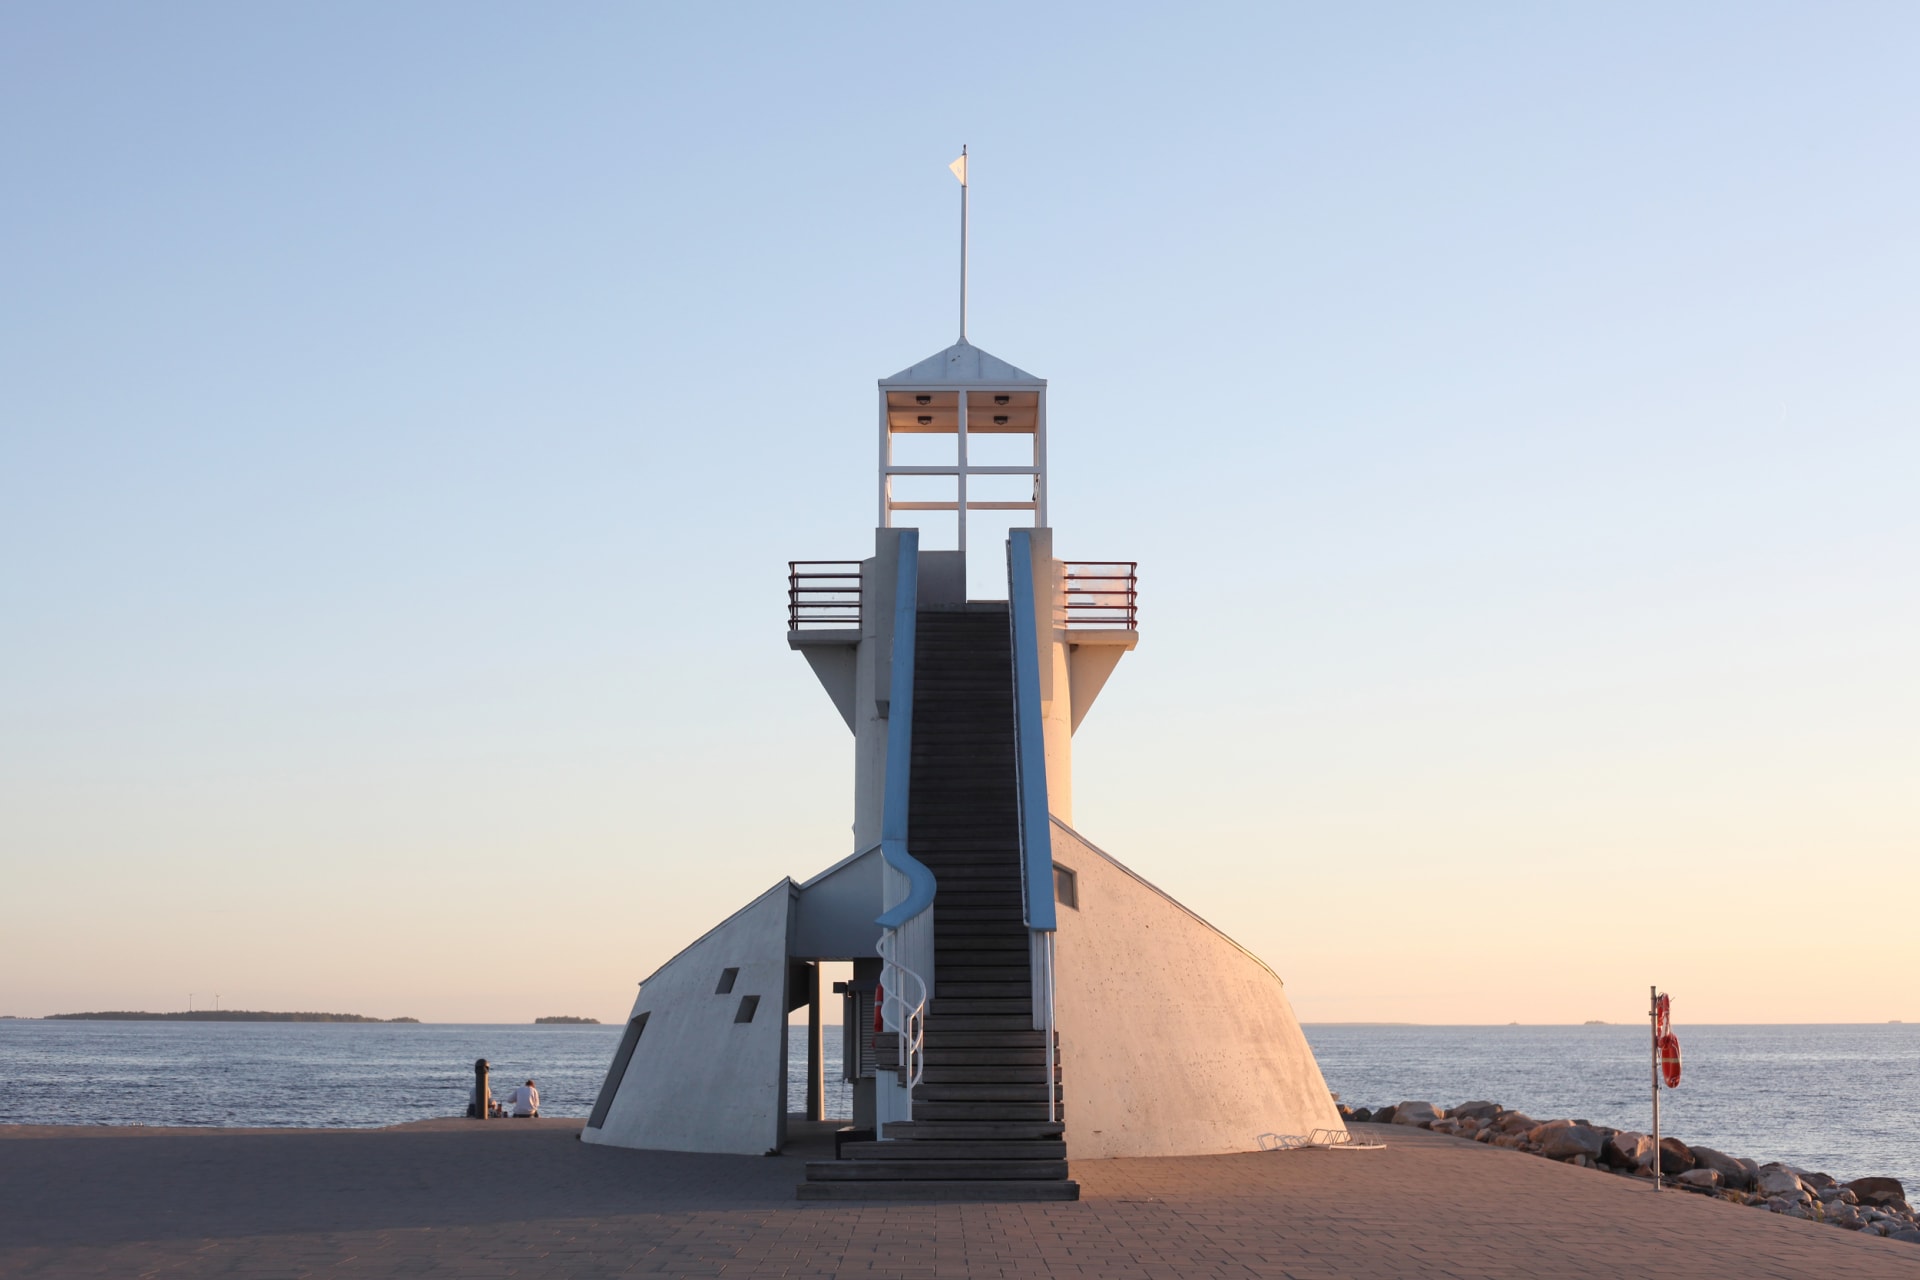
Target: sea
(1841, 1099)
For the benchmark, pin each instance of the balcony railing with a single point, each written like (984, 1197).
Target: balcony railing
(823, 593)
(1103, 594)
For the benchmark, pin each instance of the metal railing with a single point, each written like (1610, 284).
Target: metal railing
(904, 1014)
(1103, 593)
(906, 940)
(823, 593)
(1030, 775)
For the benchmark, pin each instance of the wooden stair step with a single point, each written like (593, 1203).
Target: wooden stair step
(983, 1191)
(945, 1056)
(956, 1149)
(983, 1022)
(974, 1130)
(999, 1091)
(947, 974)
(997, 1109)
(965, 1006)
(947, 1072)
(934, 1170)
(942, 1036)
(950, 987)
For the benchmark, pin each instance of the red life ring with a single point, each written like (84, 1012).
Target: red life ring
(1670, 1059)
(1662, 1015)
(879, 1004)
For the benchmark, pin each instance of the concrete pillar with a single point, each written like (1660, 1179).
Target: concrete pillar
(816, 1049)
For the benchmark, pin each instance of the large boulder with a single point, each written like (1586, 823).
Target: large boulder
(1383, 1116)
(1568, 1141)
(1676, 1157)
(1475, 1111)
(1515, 1122)
(1878, 1192)
(1845, 1215)
(1628, 1150)
(1539, 1132)
(1417, 1113)
(1733, 1173)
(1778, 1181)
(1699, 1180)
(1361, 1115)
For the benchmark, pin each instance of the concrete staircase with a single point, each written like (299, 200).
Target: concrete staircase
(980, 1129)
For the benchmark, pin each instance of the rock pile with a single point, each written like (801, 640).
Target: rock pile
(1878, 1205)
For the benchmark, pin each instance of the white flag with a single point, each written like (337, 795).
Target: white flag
(959, 168)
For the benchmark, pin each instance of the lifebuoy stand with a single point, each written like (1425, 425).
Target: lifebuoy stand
(1660, 1018)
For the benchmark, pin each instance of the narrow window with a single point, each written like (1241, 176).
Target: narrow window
(1066, 887)
(726, 982)
(618, 1072)
(748, 1004)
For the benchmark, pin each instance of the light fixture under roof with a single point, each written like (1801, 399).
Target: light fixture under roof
(926, 419)
(923, 398)
(1003, 399)
(999, 419)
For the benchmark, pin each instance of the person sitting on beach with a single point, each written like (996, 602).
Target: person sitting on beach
(525, 1102)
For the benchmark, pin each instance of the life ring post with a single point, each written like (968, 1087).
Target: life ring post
(1653, 1019)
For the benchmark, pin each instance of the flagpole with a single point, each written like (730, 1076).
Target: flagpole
(963, 242)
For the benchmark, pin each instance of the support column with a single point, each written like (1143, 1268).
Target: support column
(816, 1048)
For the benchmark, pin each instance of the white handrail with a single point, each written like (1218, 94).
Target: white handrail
(1053, 1084)
(910, 1024)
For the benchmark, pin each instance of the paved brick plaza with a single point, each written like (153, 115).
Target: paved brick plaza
(457, 1198)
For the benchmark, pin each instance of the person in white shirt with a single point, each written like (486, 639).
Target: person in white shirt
(526, 1101)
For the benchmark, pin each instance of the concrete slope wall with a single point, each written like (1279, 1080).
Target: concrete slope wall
(700, 1079)
(1173, 1039)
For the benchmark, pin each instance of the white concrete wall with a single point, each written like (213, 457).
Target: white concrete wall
(1173, 1039)
(698, 1080)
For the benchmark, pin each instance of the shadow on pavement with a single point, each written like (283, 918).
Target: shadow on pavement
(105, 1189)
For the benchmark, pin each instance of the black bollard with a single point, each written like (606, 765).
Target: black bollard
(479, 1109)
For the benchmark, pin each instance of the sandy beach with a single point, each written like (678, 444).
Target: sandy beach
(524, 1198)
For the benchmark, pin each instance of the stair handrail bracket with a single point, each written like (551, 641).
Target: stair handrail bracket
(1036, 823)
(906, 940)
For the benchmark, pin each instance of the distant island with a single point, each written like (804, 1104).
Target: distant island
(221, 1015)
(566, 1021)
(1591, 1022)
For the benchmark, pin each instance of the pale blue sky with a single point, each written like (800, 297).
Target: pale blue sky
(407, 412)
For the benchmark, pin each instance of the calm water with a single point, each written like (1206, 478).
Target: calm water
(278, 1074)
(1845, 1099)
(1842, 1099)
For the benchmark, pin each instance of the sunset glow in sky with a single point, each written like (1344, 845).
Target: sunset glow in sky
(407, 414)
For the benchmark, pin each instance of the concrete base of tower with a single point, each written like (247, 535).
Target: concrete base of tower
(1174, 1039)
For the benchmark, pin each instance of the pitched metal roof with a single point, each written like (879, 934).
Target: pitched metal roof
(962, 365)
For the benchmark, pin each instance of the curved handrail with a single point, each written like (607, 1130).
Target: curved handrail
(911, 1022)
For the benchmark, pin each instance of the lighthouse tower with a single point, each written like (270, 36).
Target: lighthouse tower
(1019, 997)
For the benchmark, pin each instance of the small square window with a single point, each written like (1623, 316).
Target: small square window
(749, 1005)
(1066, 887)
(727, 977)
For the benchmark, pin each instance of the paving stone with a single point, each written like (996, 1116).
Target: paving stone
(461, 1198)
